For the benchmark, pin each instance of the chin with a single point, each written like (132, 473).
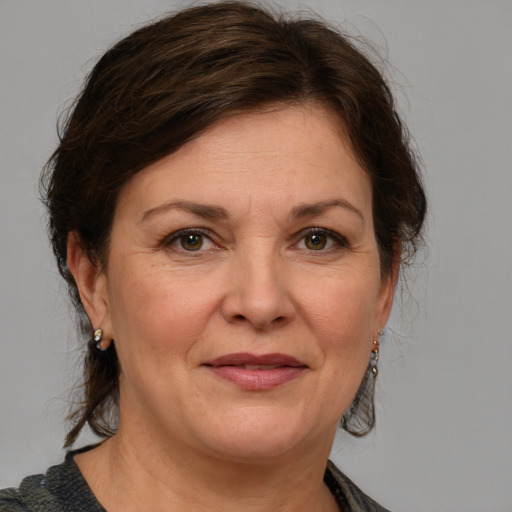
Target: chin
(261, 437)
(255, 449)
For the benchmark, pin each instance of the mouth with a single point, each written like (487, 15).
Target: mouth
(252, 372)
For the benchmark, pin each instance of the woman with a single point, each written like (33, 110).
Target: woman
(230, 204)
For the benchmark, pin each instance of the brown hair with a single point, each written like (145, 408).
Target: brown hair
(169, 81)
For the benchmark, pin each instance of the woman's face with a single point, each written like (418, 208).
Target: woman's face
(243, 288)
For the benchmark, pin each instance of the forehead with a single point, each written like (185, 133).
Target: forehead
(267, 159)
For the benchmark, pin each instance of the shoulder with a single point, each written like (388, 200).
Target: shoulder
(347, 493)
(31, 495)
(62, 488)
(10, 501)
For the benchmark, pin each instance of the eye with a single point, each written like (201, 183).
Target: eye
(316, 241)
(189, 240)
(321, 239)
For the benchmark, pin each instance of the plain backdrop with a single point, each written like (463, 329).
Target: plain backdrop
(444, 436)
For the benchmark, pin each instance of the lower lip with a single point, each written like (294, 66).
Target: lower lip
(257, 380)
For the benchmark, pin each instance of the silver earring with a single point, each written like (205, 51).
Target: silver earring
(98, 333)
(374, 357)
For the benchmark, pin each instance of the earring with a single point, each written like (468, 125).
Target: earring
(374, 357)
(98, 333)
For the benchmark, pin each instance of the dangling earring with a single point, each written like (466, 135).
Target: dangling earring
(374, 357)
(98, 333)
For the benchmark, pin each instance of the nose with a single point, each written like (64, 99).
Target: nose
(258, 291)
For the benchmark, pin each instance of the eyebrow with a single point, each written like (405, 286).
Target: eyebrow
(215, 212)
(205, 211)
(313, 209)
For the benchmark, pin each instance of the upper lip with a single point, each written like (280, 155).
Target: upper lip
(244, 358)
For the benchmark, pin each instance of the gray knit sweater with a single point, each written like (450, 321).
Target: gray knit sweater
(63, 489)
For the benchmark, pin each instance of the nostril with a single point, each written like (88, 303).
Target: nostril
(259, 326)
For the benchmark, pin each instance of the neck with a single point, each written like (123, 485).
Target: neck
(133, 472)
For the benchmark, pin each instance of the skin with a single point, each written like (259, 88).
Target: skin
(261, 282)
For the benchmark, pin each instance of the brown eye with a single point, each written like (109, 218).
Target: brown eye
(316, 241)
(191, 241)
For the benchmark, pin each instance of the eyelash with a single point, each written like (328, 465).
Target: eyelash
(339, 240)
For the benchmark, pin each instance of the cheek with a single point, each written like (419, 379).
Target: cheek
(341, 315)
(343, 305)
(158, 310)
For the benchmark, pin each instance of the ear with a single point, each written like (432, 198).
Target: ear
(91, 281)
(388, 284)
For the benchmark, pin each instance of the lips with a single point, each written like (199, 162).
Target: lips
(252, 372)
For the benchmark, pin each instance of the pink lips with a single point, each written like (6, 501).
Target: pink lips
(257, 372)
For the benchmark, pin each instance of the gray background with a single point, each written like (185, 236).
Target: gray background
(443, 441)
